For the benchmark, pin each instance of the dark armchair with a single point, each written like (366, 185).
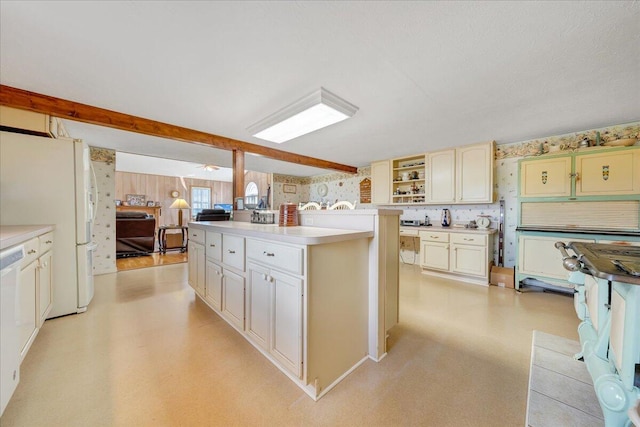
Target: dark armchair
(135, 234)
(213, 215)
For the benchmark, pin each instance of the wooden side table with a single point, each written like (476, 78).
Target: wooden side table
(162, 238)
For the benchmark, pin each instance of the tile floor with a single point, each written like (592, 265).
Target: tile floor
(149, 353)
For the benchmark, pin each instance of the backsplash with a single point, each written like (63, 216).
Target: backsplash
(104, 229)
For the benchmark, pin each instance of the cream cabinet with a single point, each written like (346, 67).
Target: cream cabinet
(261, 288)
(196, 266)
(546, 177)
(441, 182)
(469, 254)
(380, 182)
(233, 298)
(605, 172)
(213, 285)
(35, 289)
(463, 256)
(608, 174)
(434, 250)
(274, 315)
(462, 175)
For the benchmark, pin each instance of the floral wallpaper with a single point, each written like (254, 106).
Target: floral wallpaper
(104, 229)
(569, 142)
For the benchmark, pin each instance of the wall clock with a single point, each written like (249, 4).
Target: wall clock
(322, 190)
(175, 194)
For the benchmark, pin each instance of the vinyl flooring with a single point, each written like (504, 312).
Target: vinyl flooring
(148, 352)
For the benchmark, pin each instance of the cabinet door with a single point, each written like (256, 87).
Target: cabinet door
(608, 174)
(546, 178)
(441, 177)
(474, 174)
(434, 255)
(213, 285)
(538, 256)
(286, 340)
(259, 305)
(233, 298)
(467, 259)
(196, 267)
(380, 182)
(26, 315)
(45, 287)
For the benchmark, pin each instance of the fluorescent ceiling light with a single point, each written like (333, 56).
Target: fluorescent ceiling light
(315, 111)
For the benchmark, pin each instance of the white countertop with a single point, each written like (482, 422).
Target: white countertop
(11, 235)
(408, 230)
(300, 235)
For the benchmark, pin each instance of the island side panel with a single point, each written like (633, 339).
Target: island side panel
(337, 304)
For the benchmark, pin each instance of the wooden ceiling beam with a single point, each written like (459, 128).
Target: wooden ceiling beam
(57, 107)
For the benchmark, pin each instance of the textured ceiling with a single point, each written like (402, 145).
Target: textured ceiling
(425, 75)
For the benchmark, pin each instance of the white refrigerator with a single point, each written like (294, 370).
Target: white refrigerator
(49, 181)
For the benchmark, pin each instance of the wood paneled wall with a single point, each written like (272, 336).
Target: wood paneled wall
(159, 188)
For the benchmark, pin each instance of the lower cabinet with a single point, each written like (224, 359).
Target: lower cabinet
(35, 289)
(434, 250)
(233, 298)
(196, 267)
(274, 315)
(463, 255)
(213, 285)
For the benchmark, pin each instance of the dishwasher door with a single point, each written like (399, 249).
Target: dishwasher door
(9, 331)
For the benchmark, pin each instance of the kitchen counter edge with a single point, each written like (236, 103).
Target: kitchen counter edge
(11, 235)
(301, 235)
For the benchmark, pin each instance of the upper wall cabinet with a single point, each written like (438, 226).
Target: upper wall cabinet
(463, 175)
(613, 173)
(380, 182)
(608, 172)
(455, 176)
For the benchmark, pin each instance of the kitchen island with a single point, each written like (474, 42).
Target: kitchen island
(300, 295)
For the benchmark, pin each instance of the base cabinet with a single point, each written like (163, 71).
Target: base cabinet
(196, 267)
(45, 287)
(233, 298)
(213, 285)
(27, 307)
(463, 255)
(274, 315)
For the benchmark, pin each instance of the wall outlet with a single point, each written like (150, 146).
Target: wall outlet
(307, 221)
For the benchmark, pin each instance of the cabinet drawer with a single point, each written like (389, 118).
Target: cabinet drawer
(196, 235)
(434, 236)
(214, 245)
(45, 242)
(469, 239)
(233, 251)
(283, 257)
(31, 252)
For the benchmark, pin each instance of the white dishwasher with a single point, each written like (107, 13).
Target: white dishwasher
(9, 351)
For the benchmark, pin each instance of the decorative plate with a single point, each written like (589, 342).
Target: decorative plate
(323, 190)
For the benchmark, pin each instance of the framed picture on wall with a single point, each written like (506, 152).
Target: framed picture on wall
(289, 188)
(136, 200)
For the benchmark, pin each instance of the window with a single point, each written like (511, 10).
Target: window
(200, 199)
(251, 194)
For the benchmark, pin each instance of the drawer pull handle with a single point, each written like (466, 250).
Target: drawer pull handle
(434, 237)
(269, 253)
(32, 251)
(48, 241)
(230, 251)
(212, 245)
(468, 240)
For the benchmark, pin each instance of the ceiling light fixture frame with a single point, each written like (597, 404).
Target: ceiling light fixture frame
(330, 104)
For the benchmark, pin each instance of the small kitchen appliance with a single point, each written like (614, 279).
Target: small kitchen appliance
(410, 222)
(446, 218)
